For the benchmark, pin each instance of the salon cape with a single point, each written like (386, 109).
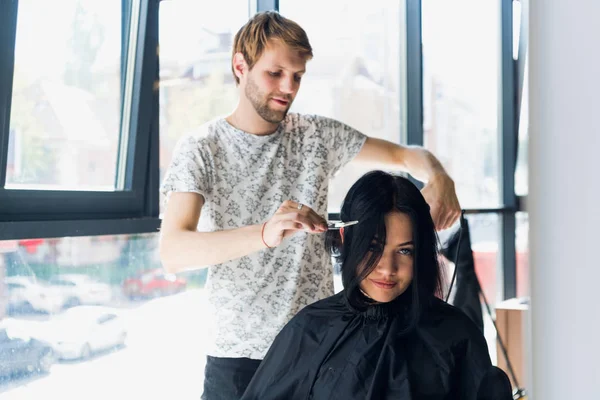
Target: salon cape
(331, 350)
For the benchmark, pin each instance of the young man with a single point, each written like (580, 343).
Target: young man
(246, 182)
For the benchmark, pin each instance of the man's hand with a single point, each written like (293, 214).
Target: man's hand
(423, 166)
(440, 194)
(290, 218)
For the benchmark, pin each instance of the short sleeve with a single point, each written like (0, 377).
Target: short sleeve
(190, 169)
(343, 142)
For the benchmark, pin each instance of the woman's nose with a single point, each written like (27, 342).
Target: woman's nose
(386, 265)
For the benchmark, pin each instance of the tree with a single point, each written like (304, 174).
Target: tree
(86, 40)
(37, 160)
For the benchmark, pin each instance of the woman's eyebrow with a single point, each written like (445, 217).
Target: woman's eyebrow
(410, 242)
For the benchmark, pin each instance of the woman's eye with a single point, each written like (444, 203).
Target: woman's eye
(406, 252)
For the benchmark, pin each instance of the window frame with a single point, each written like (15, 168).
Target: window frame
(40, 213)
(34, 214)
(267, 5)
(511, 83)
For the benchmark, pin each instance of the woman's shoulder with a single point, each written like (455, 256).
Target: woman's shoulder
(451, 320)
(331, 307)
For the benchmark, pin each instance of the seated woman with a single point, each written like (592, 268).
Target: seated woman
(387, 335)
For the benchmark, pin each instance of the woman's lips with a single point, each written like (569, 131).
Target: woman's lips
(383, 284)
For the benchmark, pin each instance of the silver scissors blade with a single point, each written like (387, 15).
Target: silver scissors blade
(339, 224)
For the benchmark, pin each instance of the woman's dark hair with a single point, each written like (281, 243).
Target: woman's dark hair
(368, 201)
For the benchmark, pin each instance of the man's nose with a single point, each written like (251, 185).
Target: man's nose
(287, 85)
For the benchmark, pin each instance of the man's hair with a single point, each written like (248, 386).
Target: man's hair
(252, 38)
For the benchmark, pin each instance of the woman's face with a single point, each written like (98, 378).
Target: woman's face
(394, 271)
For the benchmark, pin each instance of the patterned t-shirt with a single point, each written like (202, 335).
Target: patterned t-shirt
(244, 179)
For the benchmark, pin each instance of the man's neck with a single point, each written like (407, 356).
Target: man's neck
(249, 121)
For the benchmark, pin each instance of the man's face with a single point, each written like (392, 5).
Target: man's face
(272, 84)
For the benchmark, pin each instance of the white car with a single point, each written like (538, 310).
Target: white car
(80, 331)
(81, 289)
(26, 293)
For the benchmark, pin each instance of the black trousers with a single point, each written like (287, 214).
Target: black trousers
(227, 378)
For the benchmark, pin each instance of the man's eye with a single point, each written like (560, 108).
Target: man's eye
(274, 73)
(298, 78)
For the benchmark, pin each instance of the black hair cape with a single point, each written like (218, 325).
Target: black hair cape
(331, 350)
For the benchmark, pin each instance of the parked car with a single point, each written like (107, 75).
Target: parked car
(80, 331)
(153, 283)
(19, 353)
(26, 293)
(81, 289)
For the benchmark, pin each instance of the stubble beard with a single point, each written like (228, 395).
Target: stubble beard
(260, 104)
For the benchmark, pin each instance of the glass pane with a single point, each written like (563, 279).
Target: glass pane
(522, 172)
(522, 246)
(66, 100)
(485, 239)
(485, 243)
(121, 313)
(461, 58)
(354, 75)
(196, 82)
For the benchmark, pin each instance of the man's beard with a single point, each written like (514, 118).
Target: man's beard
(262, 106)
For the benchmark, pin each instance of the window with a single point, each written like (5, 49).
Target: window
(106, 318)
(521, 173)
(196, 82)
(55, 288)
(15, 286)
(520, 54)
(461, 59)
(50, 288)
(66, 97)
(355, 73)
(522, 247)
(77, 90)
(114, 323)
(485, 239)
(485, 244)
(61, 282)
(465, 104)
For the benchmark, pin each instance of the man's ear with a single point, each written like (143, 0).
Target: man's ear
(239, 65)
(342, 234)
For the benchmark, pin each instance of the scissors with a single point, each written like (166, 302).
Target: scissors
(332, 225)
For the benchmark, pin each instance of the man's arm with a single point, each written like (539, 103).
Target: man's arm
(183, 248)
(439, 191)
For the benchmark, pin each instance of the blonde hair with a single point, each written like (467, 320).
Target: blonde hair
(252, 38)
